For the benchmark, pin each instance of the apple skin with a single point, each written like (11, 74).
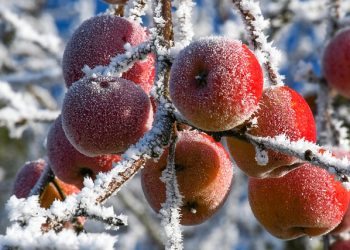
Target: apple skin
(105, 115)
(97, 40)
(27, 177)
(50, 193)
(204, 175)
(336, 62)
(344, 225)
(281, 111)
(216, 83)
(306, 201)
(70, 165)
(340, 245)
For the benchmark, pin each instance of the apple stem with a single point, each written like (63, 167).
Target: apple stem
(201, 78)
(119, 10)
(45, 178)
(59, 188)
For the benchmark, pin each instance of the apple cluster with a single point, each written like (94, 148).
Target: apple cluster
(216, 84)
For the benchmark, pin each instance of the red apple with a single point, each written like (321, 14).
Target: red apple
(97, 40)
(344, 226)
(340, 245)
(204, 175)
(70, 165)
(105, 115)
(336, 62)
(306, 201)
(216, 83)
(281, 111)
(27, 177)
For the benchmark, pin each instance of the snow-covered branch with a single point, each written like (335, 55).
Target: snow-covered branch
(182, 23)
(46, 177)
(170, 211)
(255, 24)
(334, 16)
(304, 150)
(137, 9)
(122, 62)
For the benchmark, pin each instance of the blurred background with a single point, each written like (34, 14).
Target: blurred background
(33, 35)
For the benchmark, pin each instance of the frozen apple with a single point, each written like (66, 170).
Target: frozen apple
(27, 177)
(70, 165)
(97, 40)
(105, 115)
(216, 83)
(306, 201)
(336, 62)
(340, 245)
(204, 174)
(344, 225)
(281, 111)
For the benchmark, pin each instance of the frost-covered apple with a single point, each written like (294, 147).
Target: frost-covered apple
(336, 62)
(105, 115)
(216, 83)
(306, 201)
(27, 177)
(340, 245)
(344, 225)
(204, 174)
(281, 111)
(70, 165)
(97, 40)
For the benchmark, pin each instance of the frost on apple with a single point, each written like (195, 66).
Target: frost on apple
(100, 38)
(137, 53)
(105, 115)
(216, 83)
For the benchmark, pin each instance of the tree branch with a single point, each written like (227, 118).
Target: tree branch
(255, 24)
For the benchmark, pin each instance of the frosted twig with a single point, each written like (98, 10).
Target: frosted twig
(304, 150)
(137, 9)
(122, 62)
(46, 177)
(265, 52)
(170, 211)
(334, 17)
(105, 215)
(182, 23)
(301, 149)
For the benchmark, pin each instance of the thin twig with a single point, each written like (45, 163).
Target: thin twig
(45, 178)
(255, 23)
